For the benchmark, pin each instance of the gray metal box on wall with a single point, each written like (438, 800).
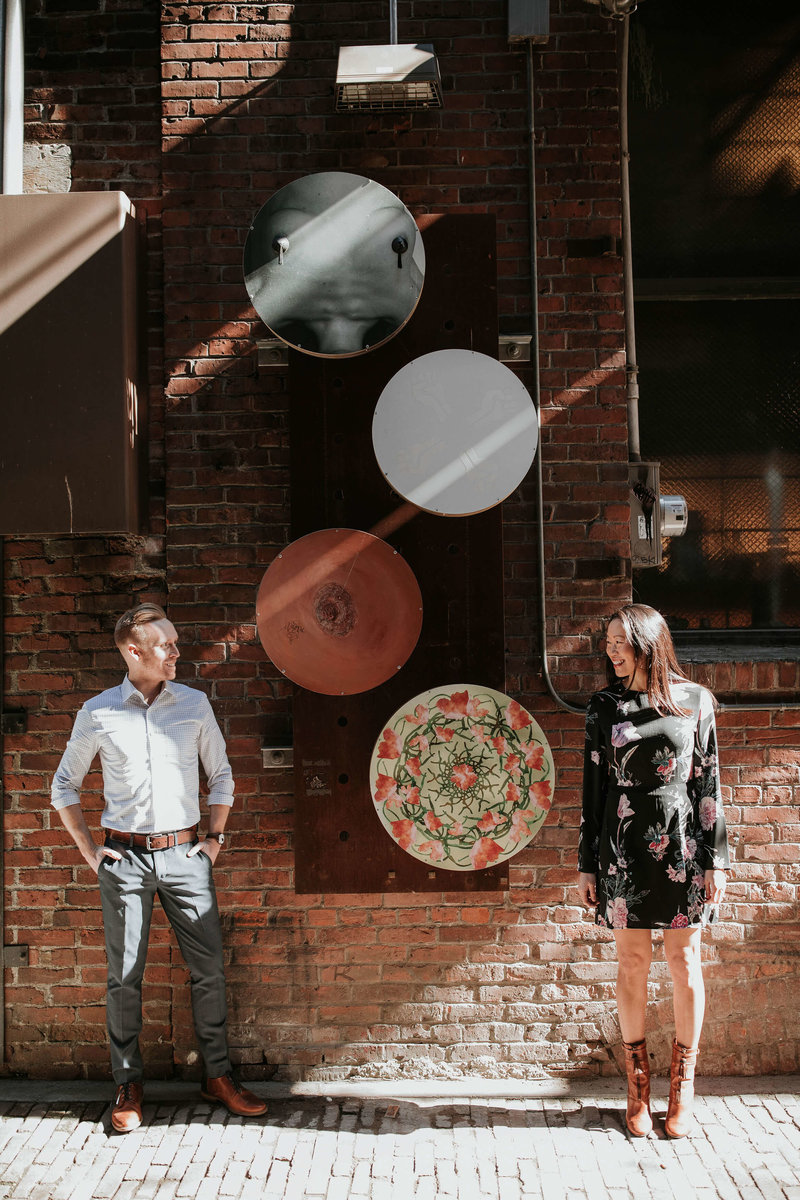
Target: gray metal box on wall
(72, 429)
(528, 20)
(645, 481)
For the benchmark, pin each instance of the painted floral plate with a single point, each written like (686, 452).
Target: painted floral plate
(462, 777)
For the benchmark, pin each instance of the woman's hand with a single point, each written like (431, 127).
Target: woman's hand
(715, 886)
(587, 889)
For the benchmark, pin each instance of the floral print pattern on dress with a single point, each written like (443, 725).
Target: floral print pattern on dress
(652, 821)
(623, 733)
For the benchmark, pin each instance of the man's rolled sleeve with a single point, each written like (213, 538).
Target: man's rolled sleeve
(75, 762)
(211, 748)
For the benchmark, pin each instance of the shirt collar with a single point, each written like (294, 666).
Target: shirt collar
(129, 689)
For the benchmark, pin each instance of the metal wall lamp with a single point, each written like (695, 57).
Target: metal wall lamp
(388, 77)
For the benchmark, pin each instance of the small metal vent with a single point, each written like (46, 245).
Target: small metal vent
(387, 77)
(386, 95)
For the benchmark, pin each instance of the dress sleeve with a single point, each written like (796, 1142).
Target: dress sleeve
(705, 790)
(595, 788)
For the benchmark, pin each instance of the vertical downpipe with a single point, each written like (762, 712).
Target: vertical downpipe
(12, 95)
(631, 363)
(534, 238)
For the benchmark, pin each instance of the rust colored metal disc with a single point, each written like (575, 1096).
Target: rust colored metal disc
(339, 611)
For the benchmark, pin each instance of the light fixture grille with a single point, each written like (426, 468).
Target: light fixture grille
(387, 77)
(403, 94)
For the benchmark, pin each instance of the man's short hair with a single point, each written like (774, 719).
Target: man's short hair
(129, 627)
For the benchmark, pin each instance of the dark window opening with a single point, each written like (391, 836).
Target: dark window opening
(715, 193)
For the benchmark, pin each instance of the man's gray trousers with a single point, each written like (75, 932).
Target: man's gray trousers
(185, 887)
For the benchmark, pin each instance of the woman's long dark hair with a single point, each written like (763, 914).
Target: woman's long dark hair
(649, 635)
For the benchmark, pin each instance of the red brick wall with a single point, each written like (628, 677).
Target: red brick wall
(325, 982)
(92, 82)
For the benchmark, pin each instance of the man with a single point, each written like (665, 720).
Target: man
(149, 732)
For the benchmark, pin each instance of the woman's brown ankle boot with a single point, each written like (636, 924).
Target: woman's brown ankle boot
(678, 1121)
(637, 1067)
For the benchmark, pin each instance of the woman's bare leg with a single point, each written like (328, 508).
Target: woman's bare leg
(682, 950)
(634, 953)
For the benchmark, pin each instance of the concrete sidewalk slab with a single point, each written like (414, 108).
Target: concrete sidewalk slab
(550, 1139)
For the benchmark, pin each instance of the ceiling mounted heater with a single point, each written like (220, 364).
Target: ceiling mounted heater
(388, 77)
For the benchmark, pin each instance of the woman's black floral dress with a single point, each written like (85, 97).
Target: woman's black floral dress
(652, 820)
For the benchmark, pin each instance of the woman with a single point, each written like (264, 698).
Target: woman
(653, 848)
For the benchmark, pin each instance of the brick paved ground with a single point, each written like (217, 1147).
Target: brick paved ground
(401, 1146)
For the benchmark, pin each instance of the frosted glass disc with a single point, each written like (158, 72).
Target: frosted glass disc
(454, 432)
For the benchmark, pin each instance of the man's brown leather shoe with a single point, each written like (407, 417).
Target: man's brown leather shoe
(126, 1113)
(225, 1090)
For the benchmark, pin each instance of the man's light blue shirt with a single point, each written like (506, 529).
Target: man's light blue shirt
(149, 757)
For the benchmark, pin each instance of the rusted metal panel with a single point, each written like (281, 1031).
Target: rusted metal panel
(72, 424)
(340, 845)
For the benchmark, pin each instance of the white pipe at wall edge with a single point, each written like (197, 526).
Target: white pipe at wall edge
(13, 95)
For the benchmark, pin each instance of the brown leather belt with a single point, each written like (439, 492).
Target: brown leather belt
(153, 841)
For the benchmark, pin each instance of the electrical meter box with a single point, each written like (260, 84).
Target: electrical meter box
(644, 479)
(653, 516)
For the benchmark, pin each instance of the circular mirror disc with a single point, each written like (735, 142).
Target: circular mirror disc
(334, 264)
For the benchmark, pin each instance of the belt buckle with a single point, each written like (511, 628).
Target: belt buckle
(150, 838)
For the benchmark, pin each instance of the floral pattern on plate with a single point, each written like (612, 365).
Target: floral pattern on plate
(462, 777)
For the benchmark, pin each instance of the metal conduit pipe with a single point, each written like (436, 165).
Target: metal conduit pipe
(542, 593)
(559, 699)
(631, 363)
(775, 706)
